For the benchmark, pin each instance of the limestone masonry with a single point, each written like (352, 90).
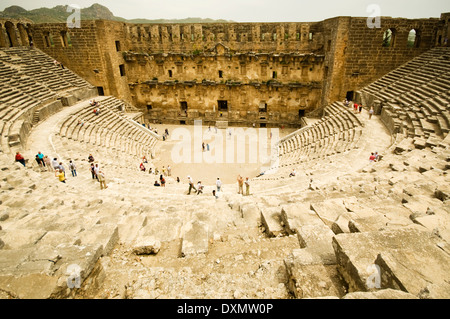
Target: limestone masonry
(353, 204)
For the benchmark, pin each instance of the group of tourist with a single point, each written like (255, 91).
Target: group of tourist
(58, 64)
(95, 104)
(375, 157)
(205, 146)
(241, 183)
(358, 107)
(165, 172)
(46, 164)
(54, 165)
(165, 134)
(96, 173)
(200, 187)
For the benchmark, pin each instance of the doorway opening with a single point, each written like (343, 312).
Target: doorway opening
(223, 105)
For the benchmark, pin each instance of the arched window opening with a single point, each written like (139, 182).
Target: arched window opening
(413, 39)
(388, 38)
(11, 34)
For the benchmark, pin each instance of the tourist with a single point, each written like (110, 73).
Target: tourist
(371, 112)
(162, 180)
(150, 170)
(144, 159)
(142, 167)
(96, 170)
(372, 157)
(102, 180)
(207, 147)
(191, 185)
(61, 176)
(218, 184)
(156, 184)
(92, 170)
(91, 158)
(55, 163)
(203, 146)
(199, 188)
(293, 173)
(164, 171)
(247, 186)
(378, 157)
(40, 159)
(73, 168)
(169, 171)
(48, 163)
(215, 194)
(178, 179)
(356, 107)
(360, 108)
(240, 181)
(20, 159)
(61, 168)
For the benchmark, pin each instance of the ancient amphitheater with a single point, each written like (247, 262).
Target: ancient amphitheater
(344, 227)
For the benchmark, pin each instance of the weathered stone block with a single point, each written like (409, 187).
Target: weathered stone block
(308, 277)
(271, 220)
(146, 246)
(357, 253)
(318, 239)
(195, 239)
(329, 210)
(297, 215)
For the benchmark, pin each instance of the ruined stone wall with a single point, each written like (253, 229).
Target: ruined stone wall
(239, 37)
(443, 32)
(282, 84)
(294, 68)
(79, 49)
(364, 57)
(14, 32)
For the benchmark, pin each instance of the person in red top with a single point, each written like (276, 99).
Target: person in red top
(372, 157)
(20, 159)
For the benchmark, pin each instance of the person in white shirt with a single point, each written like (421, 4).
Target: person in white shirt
(191, 185)
(55, 164)
(218, 184)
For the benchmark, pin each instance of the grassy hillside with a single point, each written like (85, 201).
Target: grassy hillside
(59, 14)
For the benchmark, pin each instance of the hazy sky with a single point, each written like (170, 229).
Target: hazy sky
(252, 10)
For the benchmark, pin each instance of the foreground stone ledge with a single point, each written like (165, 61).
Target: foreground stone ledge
(408, 259)
(309, 277)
